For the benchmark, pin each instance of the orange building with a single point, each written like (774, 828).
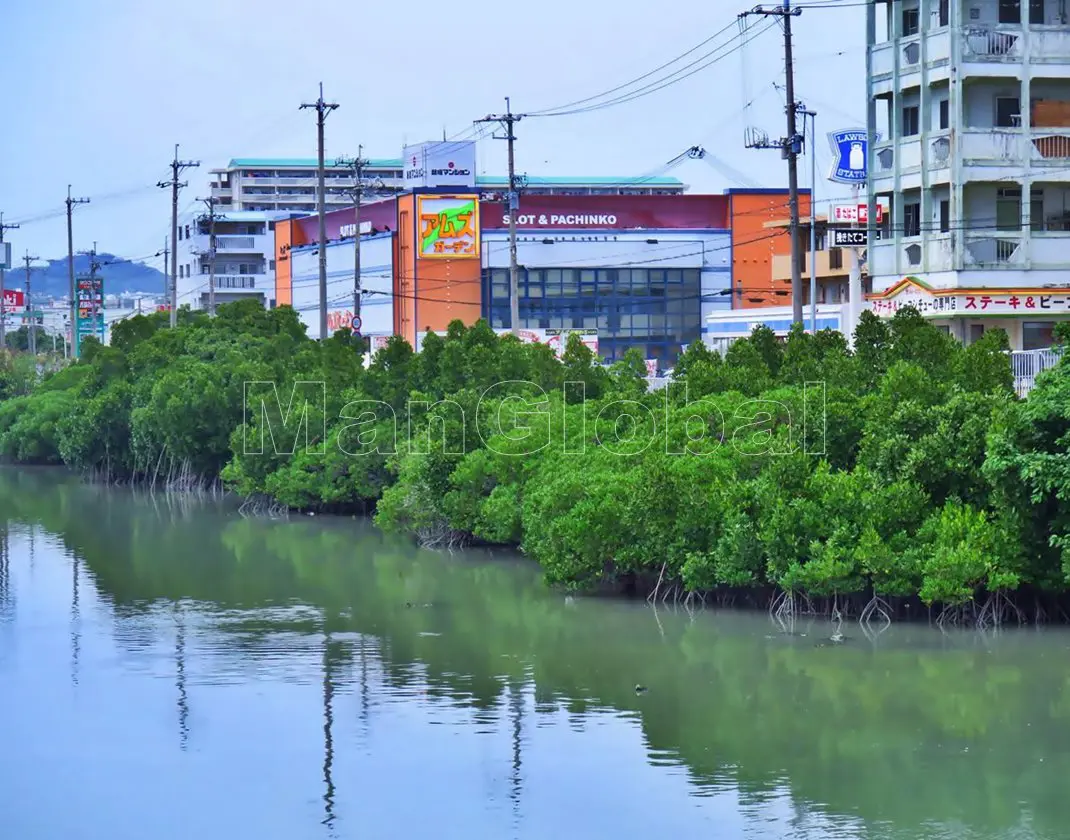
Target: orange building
(754, 245)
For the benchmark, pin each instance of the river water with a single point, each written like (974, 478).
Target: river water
(172, 670)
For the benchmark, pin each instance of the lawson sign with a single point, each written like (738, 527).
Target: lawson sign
(850, 147)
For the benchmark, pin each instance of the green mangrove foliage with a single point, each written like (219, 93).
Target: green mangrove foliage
(904, 468)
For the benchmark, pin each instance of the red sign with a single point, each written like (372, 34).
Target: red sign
(379, 216)
(14, 300)
(611, 212)
(853, 214)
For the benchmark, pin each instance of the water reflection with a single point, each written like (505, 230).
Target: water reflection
(489, 704)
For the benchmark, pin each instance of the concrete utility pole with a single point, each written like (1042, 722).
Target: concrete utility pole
(357, 165)
(210, 203)
(508, 120)
(70, 268)
(322, 109)
(813, 213)
(94, 266)
(790, 147)
(3, 308)
(31, 321)
(176, 167)
(167, 291)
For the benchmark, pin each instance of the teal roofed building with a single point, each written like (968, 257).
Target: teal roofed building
(288, 185)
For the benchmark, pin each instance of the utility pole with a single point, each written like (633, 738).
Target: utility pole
(322, 109)
(31, 329)
(167, 284)
(176, 167)
(70, 268)
(3, 308)
(790, 147)
(94, 266)
(357, 165)
(210, 204)
(813, 212)
(508, 120)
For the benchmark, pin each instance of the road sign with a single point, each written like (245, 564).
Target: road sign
(846, 238)
(355, 324)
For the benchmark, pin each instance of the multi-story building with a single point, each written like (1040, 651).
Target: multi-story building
(244, 257)
(969, 124)
(289, 184)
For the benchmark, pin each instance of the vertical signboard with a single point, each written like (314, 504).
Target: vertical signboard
(14, 300)
(448, 227)
(849, 148)
(90, 308)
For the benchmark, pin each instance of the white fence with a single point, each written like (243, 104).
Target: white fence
(1026, 364)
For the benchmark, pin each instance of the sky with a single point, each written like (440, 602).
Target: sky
(97, 94)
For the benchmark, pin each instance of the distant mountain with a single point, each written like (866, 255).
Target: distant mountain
(119, 276)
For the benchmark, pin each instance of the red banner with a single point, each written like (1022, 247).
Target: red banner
(611, 212)
(14, 300)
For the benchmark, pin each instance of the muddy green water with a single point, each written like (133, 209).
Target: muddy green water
(175, 671)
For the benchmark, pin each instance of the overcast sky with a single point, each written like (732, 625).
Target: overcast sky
(97, 93)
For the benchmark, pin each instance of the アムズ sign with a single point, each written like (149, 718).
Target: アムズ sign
(448, 227)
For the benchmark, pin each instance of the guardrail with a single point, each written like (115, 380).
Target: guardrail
(1026, 364)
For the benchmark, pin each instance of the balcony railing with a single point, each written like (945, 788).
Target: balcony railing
(234, 243)
(999, 250)
(1007, 42)
(1027, 364)
(235, 281)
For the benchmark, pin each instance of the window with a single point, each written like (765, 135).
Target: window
(1010, 11)
(835, 258)
(187, 231)
(911, 18)
(945, 215)
(1036, 12)
(976, 331)
(1009, 209)
(910, 121)
(943, 14)
(271, 265)
(945, 113)
(912, 219)
(1037, 335)
(1036, 209)
(1008, 112)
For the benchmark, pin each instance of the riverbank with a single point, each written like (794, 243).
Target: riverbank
(904, 471)
(192, 649)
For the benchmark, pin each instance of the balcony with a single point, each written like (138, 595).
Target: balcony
(235, 243)
(1039, 147)
(831, 263)
(237, 281)
(994, 250)
(1008, 43)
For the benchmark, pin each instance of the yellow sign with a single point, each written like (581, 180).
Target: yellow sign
(448, 227)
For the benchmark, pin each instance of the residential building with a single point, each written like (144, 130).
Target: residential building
(244, 257)
(969, 125)
(289, 184)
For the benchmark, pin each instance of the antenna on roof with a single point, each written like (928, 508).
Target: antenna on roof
(443, 134)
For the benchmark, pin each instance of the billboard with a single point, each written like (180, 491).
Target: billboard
(611, 212)
(14, 300)
(439, 164)
(448, 227)
(849, 146)
(556, 338)
(855, 214)
(90, 298)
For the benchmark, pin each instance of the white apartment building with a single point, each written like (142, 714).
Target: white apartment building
(244, 257)
(288, 185)
(969, 124)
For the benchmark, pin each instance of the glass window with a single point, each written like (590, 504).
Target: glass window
(911, 21)
(1008, 112)
(910, 121)
(945, 113)
(944, 12)
(1036, 335)
(1036, 12)
(945, 215)
(976, 331)
(1010, 11)
(912, 219)
(570, 286)
(1009, 209)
